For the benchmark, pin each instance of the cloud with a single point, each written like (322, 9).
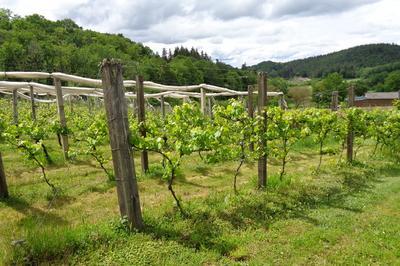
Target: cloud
(284, 8)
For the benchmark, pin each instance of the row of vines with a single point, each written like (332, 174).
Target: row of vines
(230, 135)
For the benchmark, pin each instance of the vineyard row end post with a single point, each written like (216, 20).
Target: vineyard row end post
(203, 101)
(250, 109)
(350, 132)
(33, 106)
(15, 106)
(142, 119)
(122, 154)
(162, 106)
(3, 182)
(210, 106)
(61, 113)
(262, 103)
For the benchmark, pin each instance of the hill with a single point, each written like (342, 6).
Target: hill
(33, 43)
(347, 62)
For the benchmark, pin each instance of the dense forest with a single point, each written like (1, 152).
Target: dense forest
(349, 63)
(33, 43)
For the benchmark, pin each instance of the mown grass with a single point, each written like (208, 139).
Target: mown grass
(344, 214)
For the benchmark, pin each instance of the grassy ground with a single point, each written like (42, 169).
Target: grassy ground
(342, 215)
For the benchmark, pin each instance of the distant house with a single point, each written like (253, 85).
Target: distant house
(377, 99)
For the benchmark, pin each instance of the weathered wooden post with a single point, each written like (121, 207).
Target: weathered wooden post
(3, 182)
(335, 100)
(142, 119)
(118, 127)
(350, 132)
(33, 106)
(203, 100)
(262, 103)
(89, 104)
(250, 108)
(162, 106)
(71, 104)
(61, 114)
(210, 106)
(15, 106)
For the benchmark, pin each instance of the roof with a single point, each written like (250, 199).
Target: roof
(382, 95)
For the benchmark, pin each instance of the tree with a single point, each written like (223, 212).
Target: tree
(322, 90)
(278, 84)
(300, 95)
(392, 81)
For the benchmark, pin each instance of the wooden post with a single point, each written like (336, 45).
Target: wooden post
(335, 100)
(162, 106)
(210, 105)
(89, 103)
(61, 114)
(262, 103)
(3, 182)
(250, 108)
(203, 101)
(122, 155)
(33, 107)
(142, 119)
(350, 132)
(15, 106)
(71, 105)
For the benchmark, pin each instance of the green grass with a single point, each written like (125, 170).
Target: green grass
(345, 214)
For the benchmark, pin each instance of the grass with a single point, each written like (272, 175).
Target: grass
(346, 214)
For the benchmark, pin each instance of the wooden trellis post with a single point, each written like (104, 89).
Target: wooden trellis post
(203, 101)
(350, 132)
(162, 106)
(61, 114)
(89, 104)
(118, 127)
(335, 100)
(33, 106)
(210, 105)
(250, 108)
(3, 182)
(142, 119)
(71, 104)
(262, 103)
(15, 106)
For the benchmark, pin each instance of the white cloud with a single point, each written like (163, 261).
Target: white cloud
(236, 31)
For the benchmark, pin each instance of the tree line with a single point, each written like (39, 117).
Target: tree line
(33, 43)
(349, 63)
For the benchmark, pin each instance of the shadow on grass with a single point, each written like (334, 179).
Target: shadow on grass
(202, 169)
(210, 219)
(101, 187)
(33, 214)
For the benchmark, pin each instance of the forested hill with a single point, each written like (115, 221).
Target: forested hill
(347, 62)
(33, 43)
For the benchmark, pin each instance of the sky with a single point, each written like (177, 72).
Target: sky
(233, 31)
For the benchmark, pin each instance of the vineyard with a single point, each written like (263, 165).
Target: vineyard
(206, 182)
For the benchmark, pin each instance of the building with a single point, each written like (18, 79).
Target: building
(377, 99)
